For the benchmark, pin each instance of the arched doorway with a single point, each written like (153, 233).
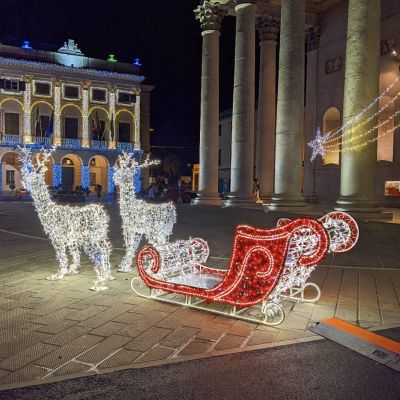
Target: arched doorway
(331, 122)
(12, 115)
(98, 124)
(98, 173)
(71, 166)
(125, 126)
(71, 121)
(48, 177)
(10, 172)
(41, 119)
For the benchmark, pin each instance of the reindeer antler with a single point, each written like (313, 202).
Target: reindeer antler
(41, 161)
(127, 160)
(25, 156)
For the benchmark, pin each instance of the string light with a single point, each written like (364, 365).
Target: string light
(69, 228)
(330, 140)
(363, 111)
(154, 221)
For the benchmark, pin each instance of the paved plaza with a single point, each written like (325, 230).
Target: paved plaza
(53, 330)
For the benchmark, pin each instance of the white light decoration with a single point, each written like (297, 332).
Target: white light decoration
(85, 113)
(154, 221)
(70, 229)
(328, 143)
(27, 106)
(57, 111)
(267, 266)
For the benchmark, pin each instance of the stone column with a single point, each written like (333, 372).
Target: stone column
(112, 144)
(57, 139)
(312, 45)
(290, 108)
(243, 107)
(86, 139)
(27, 125)
(210, 16)
(361, 87)
(268, 29)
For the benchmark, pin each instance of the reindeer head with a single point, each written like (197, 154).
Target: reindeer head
(124, 168)
(33, 171)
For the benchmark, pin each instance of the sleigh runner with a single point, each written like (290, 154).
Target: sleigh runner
(267, 267)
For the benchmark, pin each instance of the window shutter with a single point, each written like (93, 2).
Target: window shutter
(21, 85)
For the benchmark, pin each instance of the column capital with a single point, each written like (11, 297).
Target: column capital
(268, 27)
(86, 85)
(312, 37)
(57, 82)
(210, 15)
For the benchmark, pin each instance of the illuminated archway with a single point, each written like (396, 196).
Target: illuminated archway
(71, 116)
(98, 173)
(41, 114)
(13, 114)
(125, 126)
(71, 168)
(331, 122)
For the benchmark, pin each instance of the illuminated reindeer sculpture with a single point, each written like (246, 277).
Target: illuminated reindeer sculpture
(69, 228)
(154, 221)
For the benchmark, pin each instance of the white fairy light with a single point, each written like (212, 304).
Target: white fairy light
(154, 221)
(69, 228)
(317, 145)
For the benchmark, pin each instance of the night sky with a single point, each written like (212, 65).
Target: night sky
(162, 33)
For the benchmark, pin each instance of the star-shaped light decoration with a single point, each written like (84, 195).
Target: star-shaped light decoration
(317, 145)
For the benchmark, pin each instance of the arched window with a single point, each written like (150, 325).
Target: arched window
(331, 122)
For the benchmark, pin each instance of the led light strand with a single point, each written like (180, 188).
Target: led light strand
(348, 132)
(363, 111)
(361, 135)
(69, 228)
(153, 221)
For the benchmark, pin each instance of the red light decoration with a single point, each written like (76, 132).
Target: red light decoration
(257, 262)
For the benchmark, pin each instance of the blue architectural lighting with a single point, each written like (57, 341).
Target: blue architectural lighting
(56, 175)
(137, 182)
(85, 182)
(111, 186)
(137, 62)
(26, 45)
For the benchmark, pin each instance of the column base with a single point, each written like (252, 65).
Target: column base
(238, 200)
(363, 208)
(211, 199)
(287, 203)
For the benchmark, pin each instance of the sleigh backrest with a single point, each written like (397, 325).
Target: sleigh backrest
(259, 255)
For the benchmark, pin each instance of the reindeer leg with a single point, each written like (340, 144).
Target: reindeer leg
(63, 260)
(76, 260)
(99, 253)
(132, 246)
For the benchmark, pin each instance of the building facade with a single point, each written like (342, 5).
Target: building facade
(323, 63)
(88, 109)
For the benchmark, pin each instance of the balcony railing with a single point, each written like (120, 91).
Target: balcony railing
(99, 144)
(42, 140)
(72, 143)
(124, 146)
(15, 140)
(11, 139)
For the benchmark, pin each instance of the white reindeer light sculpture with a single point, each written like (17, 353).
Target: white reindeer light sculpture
(69, 228)
(154, 221)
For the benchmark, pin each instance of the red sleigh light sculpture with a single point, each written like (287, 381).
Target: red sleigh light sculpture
(267, 267)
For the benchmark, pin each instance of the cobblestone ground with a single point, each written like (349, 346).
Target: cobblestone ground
(52, 329)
